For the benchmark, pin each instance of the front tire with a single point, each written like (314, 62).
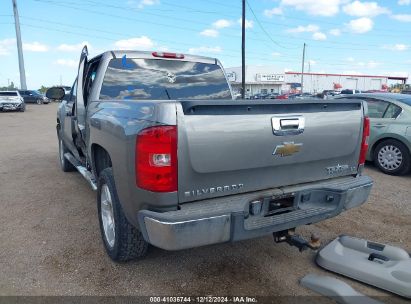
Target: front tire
(122, 241)
(392, 157)
(39, 101)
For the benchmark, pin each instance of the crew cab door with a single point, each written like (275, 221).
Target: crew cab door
(80, 108)
(69, 114)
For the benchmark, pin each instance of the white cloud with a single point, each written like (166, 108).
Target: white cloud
(372, 64)
(74, 47)
(363, 64)
(205, 50)
(360, 25)
(310, 62)
(67, 62)
(6, 45)
(248, 23)
(319, 36)
(335, 32)
(315, 7)
(404, 2)
(144, 3)
(35, 47)
(221, 23)
(276, 54)
(364, 9)
(396, 47)
(137, 43)
(274, 11)
(302, 29)
(402, 17)
(209, 33)
(369, 64)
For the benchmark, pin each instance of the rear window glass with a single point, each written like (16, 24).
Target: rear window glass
(406, 100)
(8, 93)
(140, 79)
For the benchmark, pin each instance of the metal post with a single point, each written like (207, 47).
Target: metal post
(23, 84)
(302, 71)
(243, 53)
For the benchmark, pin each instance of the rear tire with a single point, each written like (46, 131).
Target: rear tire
(122, 241)
(392, 157)
(65, 165)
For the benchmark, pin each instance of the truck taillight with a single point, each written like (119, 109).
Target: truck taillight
(167, 55)
(156, 159)
(364, 141)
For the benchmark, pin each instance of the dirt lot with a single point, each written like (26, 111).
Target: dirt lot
(50, 241)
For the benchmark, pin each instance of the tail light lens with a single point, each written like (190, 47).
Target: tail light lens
(364, 142)
(168, 55)
(156, 159)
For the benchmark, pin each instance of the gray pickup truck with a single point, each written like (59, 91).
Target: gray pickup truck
(178, 163)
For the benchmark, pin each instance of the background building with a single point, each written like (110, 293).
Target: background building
(265, 79)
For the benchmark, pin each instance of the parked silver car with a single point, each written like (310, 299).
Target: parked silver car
(11, 101)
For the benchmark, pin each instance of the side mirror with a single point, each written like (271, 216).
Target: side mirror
(55, 93)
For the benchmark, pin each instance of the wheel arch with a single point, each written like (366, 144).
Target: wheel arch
(100, 158)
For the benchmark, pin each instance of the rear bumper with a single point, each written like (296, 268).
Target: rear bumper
(228, 218)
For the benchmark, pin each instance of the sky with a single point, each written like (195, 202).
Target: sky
(342, 36)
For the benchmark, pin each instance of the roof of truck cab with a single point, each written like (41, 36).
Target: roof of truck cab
(149, 55)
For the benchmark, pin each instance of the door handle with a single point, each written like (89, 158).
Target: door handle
(380, 126)
(288, 125)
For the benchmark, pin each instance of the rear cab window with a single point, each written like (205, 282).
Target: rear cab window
(158, 79)
(8, 94)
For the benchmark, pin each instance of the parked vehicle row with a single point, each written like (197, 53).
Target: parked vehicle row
(16, 100)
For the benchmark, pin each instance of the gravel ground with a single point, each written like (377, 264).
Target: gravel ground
(50, 241)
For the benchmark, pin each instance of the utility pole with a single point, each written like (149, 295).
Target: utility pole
(243, 53)
(311, 76)
(23, 84)
(302, 71)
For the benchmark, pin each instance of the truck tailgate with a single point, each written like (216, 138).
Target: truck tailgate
(228, 147)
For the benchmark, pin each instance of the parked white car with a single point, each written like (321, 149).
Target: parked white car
(11, 101)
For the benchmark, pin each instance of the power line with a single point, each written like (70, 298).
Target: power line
(263, 29)
(225, 52)
(197, 30)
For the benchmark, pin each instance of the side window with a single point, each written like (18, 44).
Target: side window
(392, 111)
(376, 108)
(91, 75)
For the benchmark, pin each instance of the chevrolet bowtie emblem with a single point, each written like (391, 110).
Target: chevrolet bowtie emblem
(287, 149)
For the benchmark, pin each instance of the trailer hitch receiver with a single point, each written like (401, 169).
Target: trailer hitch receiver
(296, 240)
